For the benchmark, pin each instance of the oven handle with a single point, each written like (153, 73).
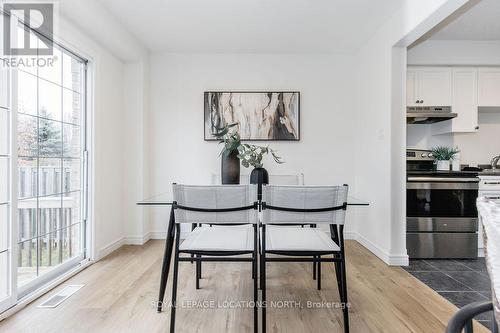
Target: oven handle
(443, 179)
(443, 186)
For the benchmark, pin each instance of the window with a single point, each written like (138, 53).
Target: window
(5, 159)
(42, 190)
(50, 152)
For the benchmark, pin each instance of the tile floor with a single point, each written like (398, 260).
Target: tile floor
(459, 281)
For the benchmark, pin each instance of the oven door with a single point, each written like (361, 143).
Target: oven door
(452, 198)
(441, 217)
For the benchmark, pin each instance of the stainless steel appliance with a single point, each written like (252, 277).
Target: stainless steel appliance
(441, 209)
(428, 114)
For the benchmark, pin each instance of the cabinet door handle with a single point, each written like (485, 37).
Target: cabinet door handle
(491, 183)
(493, 198)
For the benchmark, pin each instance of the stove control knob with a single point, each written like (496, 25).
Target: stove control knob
(430, 155)
(424, 155)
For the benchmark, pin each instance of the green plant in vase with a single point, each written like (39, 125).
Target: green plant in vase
(230, 163)
(252, 155)
(229, 137)
(443, 155)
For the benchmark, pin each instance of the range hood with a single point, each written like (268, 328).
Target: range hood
(428, 114)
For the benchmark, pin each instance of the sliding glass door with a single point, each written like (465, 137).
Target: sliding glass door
(7, 268)
(42, 169)
(6, 255)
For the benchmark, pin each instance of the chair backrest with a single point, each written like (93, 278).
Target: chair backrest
(215, 197)
(304, 197)
(297, 179)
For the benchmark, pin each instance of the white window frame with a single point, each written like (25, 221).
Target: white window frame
(59, 273)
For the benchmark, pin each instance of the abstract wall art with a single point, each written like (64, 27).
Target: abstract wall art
(260, 115)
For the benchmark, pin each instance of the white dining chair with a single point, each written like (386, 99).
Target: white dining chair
(286, 207)
(232, 210)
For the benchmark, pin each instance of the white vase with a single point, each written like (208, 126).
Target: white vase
(443, 165)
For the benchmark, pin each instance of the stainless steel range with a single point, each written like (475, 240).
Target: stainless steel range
(441, 212)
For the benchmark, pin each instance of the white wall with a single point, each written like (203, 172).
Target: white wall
(455, 52)
(381, 129)
(420, 136)
(352, 112)
(476, 148)
(112, 147)
(480, 147)
(178, 152)
(135, 149)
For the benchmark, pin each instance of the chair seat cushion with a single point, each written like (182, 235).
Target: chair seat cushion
(219, 238)
(286, 238)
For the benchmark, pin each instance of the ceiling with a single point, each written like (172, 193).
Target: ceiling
(480, 20)
(252, 26)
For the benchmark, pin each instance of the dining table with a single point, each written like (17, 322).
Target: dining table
(165, 199)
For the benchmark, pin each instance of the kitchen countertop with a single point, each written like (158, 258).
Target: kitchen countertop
(487, 172)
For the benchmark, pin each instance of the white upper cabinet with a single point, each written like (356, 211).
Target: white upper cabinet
(489, 87)
(464, 103)
(429, 86)
(465, 99)
(434, 86)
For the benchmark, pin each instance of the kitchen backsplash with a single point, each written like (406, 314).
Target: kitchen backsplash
(476, 148)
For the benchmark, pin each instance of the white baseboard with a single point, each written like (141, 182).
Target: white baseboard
(163, 234)
(108, 249)
(158, 234)
(141, 240)
(389, 259)
(138, 240)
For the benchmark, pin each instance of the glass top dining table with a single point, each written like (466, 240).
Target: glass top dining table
(165, 199)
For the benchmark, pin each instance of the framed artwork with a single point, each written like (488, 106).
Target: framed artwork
(264, 116)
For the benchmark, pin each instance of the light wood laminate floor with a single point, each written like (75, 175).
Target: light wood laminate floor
(120, 291)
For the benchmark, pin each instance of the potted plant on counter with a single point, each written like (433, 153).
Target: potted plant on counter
(443, 155)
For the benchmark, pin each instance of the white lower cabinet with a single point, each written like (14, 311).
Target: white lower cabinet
(489, 187)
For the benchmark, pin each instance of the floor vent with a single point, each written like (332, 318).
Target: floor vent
(61, 296)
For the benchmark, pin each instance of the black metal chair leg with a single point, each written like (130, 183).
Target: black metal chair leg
(263, 278)
(318, 277)
(339, 280)
(167, 256)
(255, 284)
(344, 291)
(198, 272)
(254, 268)
(174, 284)
(314, 269)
